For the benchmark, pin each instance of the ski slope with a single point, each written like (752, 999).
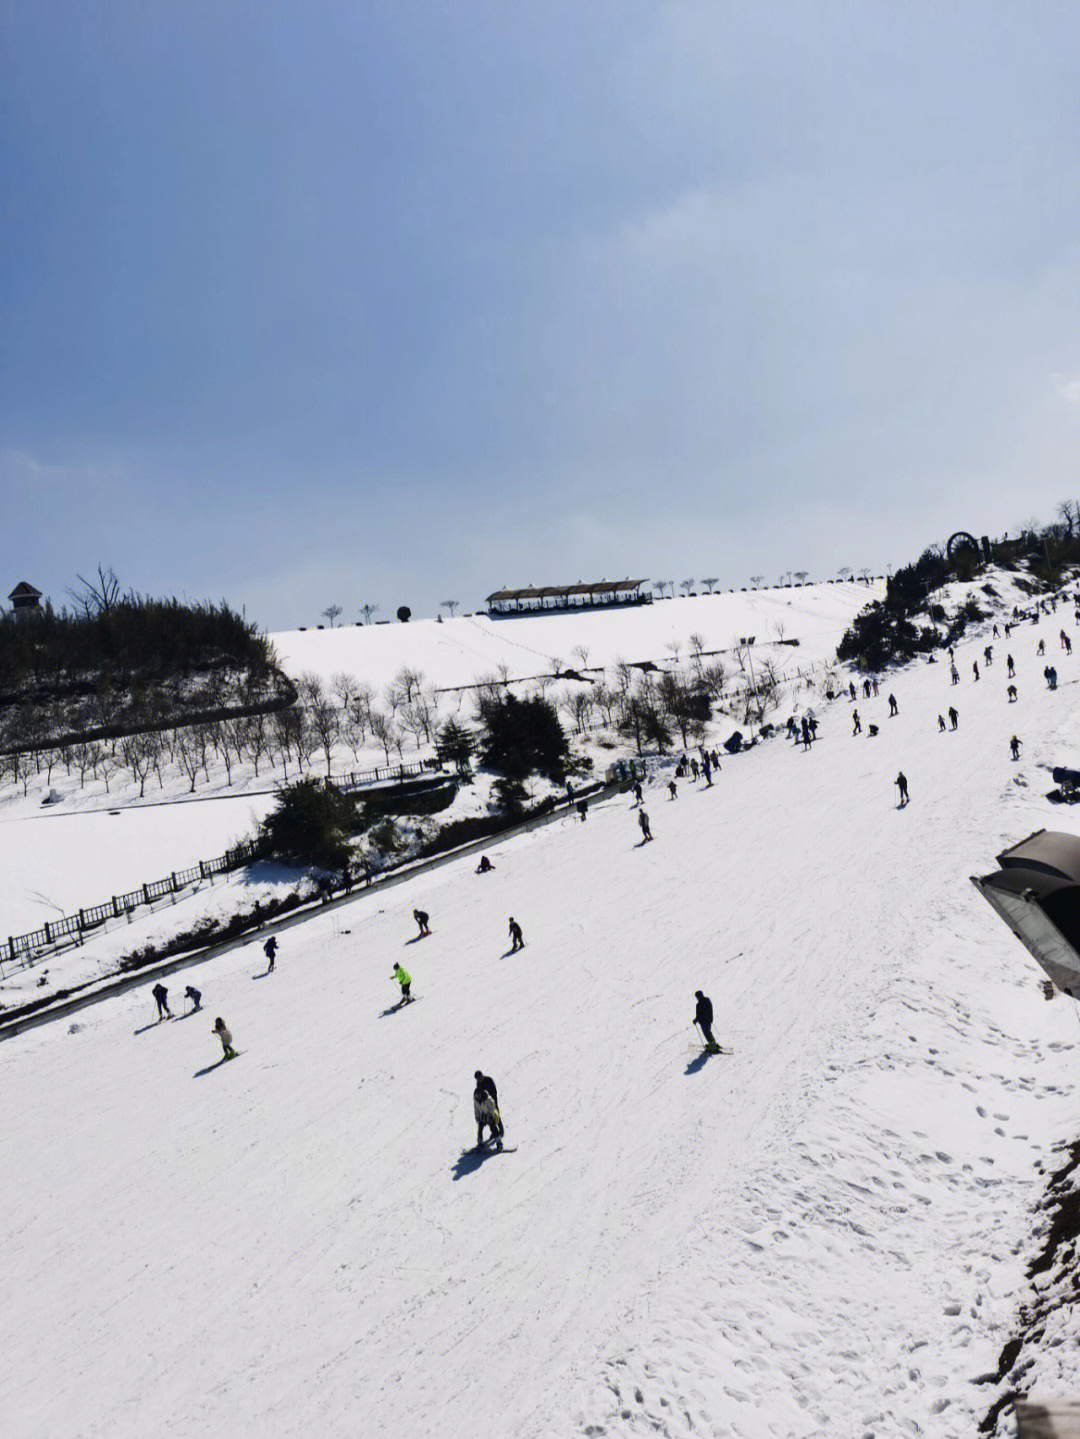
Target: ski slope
(820, 1235)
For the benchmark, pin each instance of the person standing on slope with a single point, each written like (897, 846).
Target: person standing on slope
(195, 996)
(901, 785)
(221, 1029)
(516, 939)
(703, 1018)
(856, 723)
(421, 921)
(894, 708)
(486, 1110)
(954, 717)
(161, 994)
(270, 950)
(1015, 746)
(405, 980)
(643, 821)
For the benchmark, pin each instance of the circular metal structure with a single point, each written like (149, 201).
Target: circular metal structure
(961, 541)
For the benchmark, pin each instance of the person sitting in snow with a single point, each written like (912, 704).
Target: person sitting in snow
(485, 866)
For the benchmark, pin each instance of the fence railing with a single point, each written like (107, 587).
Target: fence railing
(26, 949)
(355, 778)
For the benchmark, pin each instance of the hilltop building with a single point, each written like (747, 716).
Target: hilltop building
(25, 600)
(532, 599)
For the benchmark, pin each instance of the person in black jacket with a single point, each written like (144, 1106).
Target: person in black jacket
(161, 994)
(517, 940)
(486, 1110)
(703, 1018)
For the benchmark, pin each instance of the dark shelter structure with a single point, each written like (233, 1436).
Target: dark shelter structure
(533, 599)
(1037, 893)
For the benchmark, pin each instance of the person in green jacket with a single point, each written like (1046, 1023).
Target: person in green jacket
(404, 979)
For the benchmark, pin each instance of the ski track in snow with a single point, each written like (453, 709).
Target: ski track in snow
(822, 1234)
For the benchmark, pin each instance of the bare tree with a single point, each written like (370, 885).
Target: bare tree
(711, 583)
(450, 605)
(367, 611)
(254, 739)
(801, 576)
(323, 716)
(579, 708)
(97, 595)
(581, 652)
(331, 613)
(757, 580)
(687, 586)
(420, 716)
(138, 756)
(864, 574)
(384, 731)
(844, 572)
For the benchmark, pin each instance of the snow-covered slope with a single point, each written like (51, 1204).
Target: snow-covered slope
(821, 1234)
(459, 651)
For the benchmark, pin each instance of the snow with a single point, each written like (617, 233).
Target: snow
(823, 1234)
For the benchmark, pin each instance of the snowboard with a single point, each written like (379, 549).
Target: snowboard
(489, 1148)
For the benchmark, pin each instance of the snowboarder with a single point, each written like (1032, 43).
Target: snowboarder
(901, 785)
(485, 866)
(421, 921)
(1015, 745)
(1011, 692)
(941, 723)
(856, 723)
(270, 950)
(643, 821)
(486, 1110)
(516, 940)
(1011, 665)
(703, 1018)
(221, 1029)
(894, 708)
(195, 996)
(954, 717)
(405, 980)
(161, 994)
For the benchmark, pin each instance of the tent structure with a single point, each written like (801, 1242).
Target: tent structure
(1037, 893)
(565, 597)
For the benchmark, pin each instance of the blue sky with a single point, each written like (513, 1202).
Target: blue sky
(399, 302)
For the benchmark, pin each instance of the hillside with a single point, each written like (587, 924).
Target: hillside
(823, 1234)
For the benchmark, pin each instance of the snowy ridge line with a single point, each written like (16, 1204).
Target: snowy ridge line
(114, 985)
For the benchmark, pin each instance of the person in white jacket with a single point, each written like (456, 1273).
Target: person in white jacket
(221, 1029)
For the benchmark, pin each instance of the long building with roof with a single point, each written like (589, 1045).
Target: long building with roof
(534, 598)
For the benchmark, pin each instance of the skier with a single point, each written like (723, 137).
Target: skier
(805, 732)
(866, 689)
(1015, 745)
(643, 821)
(901, 785)
(975, 668)
(421, 921)
(851, 689)
(672, 790)
(486, 1110)
(1041, 648)
(954, 675)
(583, 809)
(988, 655)
(195, 996)
(221, 1029)
(874, 685)
(856, 723)
(405, 980)
(485, 866)
(706, 768)
(894, 708)
(1011, 692)
(516, 940)
(161, 994)
(703, 1018)
(941, 723)
(637, 792)
(694, 767)
(270, 950)
(1011, 665)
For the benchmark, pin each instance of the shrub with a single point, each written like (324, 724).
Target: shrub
(523, 736)
(310, 825)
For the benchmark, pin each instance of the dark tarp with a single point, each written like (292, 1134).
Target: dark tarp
(1037, 893)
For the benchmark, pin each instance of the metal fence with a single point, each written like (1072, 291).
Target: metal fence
(27, 949)
(356, 778)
